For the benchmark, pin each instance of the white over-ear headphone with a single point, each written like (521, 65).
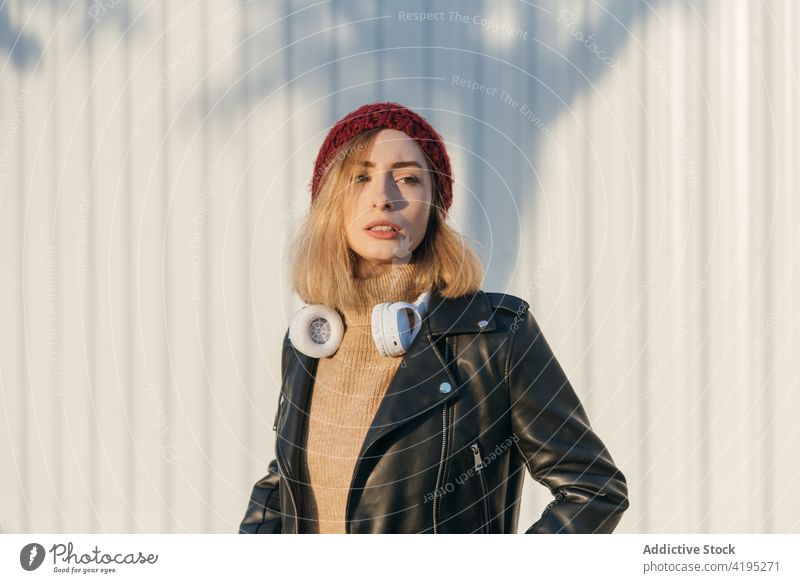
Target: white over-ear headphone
(317, 330)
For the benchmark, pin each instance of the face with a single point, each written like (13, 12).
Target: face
(387, 214)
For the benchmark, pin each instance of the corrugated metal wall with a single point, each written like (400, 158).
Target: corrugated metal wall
(629, 168)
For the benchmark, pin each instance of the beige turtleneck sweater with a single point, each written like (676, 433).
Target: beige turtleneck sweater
(347, 390)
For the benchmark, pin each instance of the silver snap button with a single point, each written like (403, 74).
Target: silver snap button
(445, 387)
(482, 324)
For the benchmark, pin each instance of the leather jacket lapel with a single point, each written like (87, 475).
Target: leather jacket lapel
(418, 384)
(414, 389)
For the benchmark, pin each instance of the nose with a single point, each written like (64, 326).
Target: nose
(382, 195)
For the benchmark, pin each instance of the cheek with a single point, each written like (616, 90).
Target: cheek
(348, 216)
(420, 220)
(352, 233)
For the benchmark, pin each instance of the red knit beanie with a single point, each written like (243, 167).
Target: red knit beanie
(388, 115)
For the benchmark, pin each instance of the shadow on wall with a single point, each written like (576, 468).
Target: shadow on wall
(17, 46)
(491, 76)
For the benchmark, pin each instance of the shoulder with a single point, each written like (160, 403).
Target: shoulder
(508, 311)
(507, 302)
(477, 312)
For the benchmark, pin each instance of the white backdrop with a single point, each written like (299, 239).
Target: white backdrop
(628, 168)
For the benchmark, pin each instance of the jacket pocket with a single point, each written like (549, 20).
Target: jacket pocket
(478, 467)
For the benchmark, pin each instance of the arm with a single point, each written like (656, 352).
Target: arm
(263, 515)
(557, 442)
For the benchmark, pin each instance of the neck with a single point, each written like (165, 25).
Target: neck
(365, 269)
(396, 284)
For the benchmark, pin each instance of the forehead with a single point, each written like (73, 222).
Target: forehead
(392, 145)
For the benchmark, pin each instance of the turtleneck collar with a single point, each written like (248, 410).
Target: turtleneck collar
(394, 285)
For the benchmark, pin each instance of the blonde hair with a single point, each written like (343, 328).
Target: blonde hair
(323, 265)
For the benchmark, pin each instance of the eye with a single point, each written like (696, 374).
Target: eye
(410, 179)
(361, 178)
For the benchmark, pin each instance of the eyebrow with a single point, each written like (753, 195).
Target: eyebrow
(403, 164)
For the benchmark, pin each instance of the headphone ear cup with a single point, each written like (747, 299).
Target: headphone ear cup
(391, 329)
(316, 330)
(378, 334)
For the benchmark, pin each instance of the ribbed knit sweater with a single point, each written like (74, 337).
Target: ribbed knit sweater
(347, 390)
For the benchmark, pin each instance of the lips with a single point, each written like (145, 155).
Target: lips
(395, 227)
(382, 230)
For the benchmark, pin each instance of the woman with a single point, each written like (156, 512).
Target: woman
(435, 439)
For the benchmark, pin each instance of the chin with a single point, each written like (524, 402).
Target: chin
(380, 257)
(382, 254)
(375, 249)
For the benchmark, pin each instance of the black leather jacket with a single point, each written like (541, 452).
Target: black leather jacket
(448, 447)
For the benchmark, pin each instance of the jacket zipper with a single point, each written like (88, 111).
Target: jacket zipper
(444, 447)
(589, 490)
(476, 454)
(558, 498)
(280, 469)
(441, 467)
(291, 496)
